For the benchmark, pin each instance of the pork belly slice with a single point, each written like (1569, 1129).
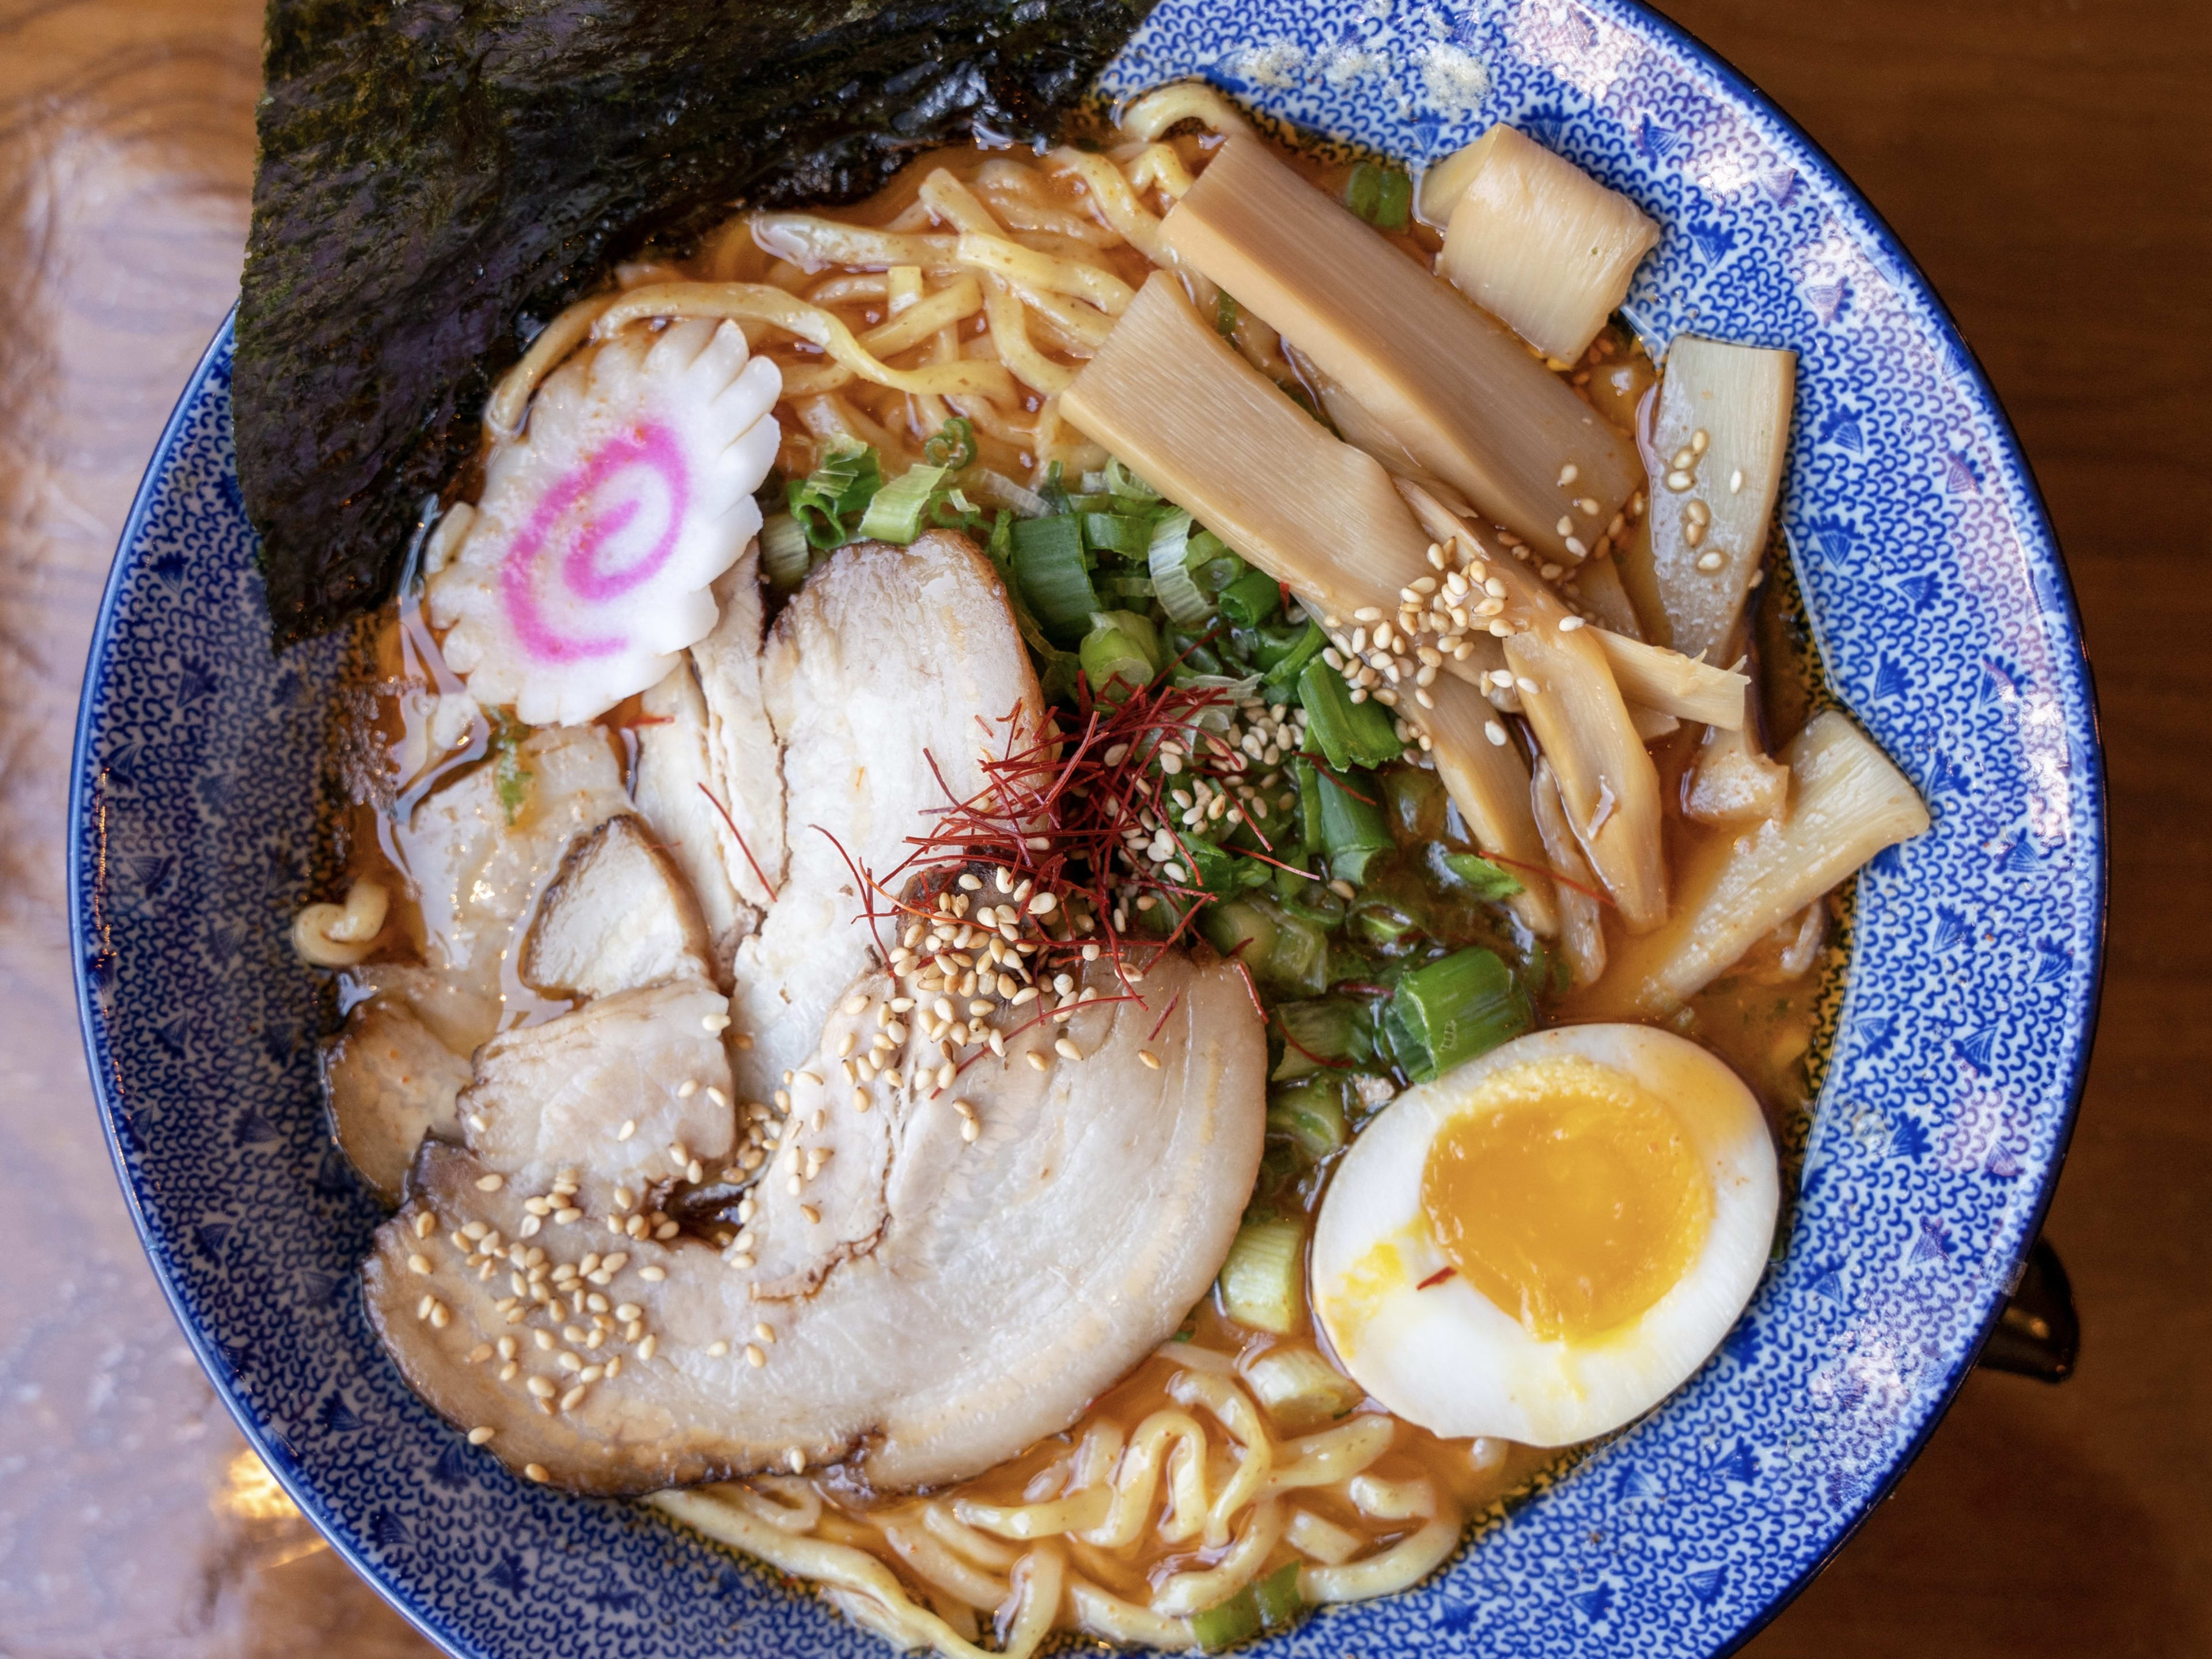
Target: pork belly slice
(387, 1082)
(624, 1094)
(709, 775)
(886, 678)
(617, 917)
(925, 1305)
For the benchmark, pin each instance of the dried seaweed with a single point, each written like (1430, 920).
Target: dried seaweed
(439, 177)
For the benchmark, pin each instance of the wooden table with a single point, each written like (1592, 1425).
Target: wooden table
(2045, 160)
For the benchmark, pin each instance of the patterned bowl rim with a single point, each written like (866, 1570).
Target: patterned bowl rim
(2076, 680)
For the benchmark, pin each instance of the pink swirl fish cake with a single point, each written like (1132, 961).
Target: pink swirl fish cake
(586, 567)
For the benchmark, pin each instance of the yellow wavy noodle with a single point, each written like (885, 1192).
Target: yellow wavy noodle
(1114, 199)
(1148, 117)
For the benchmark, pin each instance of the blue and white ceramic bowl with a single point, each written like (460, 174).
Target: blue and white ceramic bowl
(1943, 617)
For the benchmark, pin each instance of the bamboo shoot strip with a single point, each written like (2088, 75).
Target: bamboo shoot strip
(1581, 723)
(1537, 242)
(1722, 429)
(1652, 677)
(1582, 931)
(1214, 435)
(1452, 383)
(1847, 802)
(1488, 782)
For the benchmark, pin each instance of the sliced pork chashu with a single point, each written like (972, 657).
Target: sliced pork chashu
(894, 667)
(388, 1080)
(390, 1077)
(928, 1302)
(616, 916)
(707, 750)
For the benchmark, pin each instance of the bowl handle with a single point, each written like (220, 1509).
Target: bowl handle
(2039, 1334)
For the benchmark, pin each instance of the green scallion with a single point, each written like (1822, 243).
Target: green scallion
(1128, 534)
(954, 446)
(895, 512)
(1320, 1031)
(1263, 1280)
(1309, 1114)
(1120, 646)
(1278, 1595)
(786, 554)
(1488, 879)
(1224, 315)
(1166, 556)
(1237, 1619)
(1445, 1014)
(1353, 830)
(1382, 196)
(1049, 566)
(1122, 482)
(844, 482)
(1250, 599)
(1349, 733)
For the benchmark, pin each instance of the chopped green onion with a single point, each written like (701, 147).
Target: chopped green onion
(1301, 1391)
(1281, 1603)
(1488, 881)
(1122, 482)
(1224, 315)
(1352, 830)
(1317, 1032)
(1282, 951)
(1350, 733)
(1382, 196)
(1125, 587)
(1120, 646)
(786, 554)
(1385, 925)
(511, 779)
(1262, 1282)
(1171, 584)
(1117, 533)
(1310, 1113)
(1251, 599)
(1047, 565)
(1237, 1619)
(1445, 1014)
(895, 512)
(1281, 652)
(954, 446)
(1220, 871)
(997, 487)
(843, 484)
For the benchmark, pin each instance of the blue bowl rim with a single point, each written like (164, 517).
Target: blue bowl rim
(2066, 623)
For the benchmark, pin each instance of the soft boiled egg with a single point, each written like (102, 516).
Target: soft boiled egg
(1543, 1243)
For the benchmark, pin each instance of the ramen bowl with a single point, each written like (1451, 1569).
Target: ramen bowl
(1940, 610)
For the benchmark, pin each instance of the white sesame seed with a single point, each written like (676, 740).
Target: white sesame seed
(478, 1435)
(542, 1390)
(573, 1398)
(1495, 733)
(1711, 561)
(1568, 624)
(717, 1348)
(1679, 481)
(652, 1275)
(1568, 474)
(536, 1472)
(715, 1025)
(420, 1264)
(425, 1224)
(813, 1216)
(1698, 440)
(645, 1349)
(1735, 481)
(1036, 1061)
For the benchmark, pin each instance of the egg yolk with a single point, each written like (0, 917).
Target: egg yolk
(1568, 1194)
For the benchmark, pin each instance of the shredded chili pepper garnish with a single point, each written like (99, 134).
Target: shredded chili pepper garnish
(1437, 1278)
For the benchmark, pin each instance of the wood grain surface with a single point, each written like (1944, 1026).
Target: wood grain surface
(2046, 163)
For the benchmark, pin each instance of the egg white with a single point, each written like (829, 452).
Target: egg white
(1451, 1359)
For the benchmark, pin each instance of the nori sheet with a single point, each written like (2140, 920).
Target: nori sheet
(438, 177)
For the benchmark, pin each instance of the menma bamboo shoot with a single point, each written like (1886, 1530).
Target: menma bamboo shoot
(1183, 410)
(1450, 382)
(1847, 803)
(1581, 929)
(1483, 773)
(1570, 699)
(1722, 429)
(1537, 242)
